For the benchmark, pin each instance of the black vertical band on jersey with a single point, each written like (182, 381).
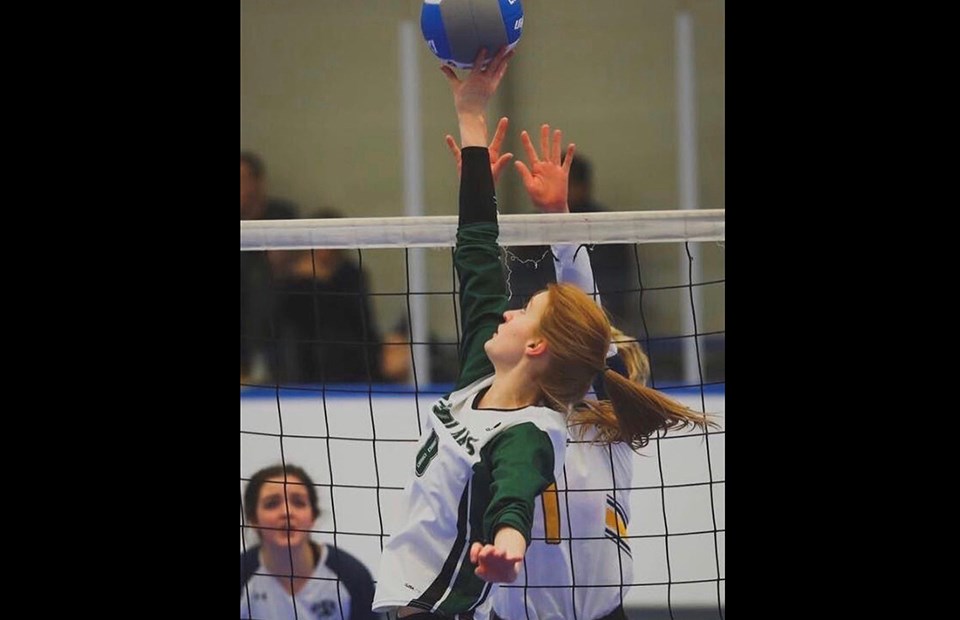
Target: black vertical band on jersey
(478, 200)
(435, 591)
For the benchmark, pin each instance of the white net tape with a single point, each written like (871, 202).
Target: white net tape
(515, 230)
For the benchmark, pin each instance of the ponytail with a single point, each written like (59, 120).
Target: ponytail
(634, 412)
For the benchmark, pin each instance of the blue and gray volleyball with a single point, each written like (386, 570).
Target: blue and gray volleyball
(455, 30)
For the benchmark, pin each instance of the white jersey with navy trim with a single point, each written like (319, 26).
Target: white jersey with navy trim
(451, 499)
(326, 596)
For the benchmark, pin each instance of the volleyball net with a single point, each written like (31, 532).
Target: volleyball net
(349, 333)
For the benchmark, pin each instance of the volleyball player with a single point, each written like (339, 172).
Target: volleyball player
(288, 569)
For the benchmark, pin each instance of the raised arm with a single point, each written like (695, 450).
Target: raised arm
(546, 182)
(483, 296)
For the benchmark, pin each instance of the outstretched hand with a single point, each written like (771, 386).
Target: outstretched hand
(497, 161)
(495, 565)
(546, 180)
(470, 96)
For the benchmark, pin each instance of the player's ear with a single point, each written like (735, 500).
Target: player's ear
(536, 347)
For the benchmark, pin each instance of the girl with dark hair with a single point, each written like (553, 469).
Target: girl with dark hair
(288, 575)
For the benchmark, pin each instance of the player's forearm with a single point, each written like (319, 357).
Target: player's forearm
(478, 201)
(473, 129)
(483, 291)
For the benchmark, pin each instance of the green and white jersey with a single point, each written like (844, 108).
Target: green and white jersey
(579, 557)
(475, 470)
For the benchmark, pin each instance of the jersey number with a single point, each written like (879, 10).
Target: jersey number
(551, 514)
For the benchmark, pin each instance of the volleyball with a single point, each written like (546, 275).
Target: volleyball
(455, 30)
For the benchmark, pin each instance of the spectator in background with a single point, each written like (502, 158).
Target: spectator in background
(255, 285)
(255, 204)
(288, 569)
(323, 316)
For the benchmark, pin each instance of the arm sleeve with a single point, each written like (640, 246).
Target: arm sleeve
(478, 200)
(483, 295)
(522, 461)
(572, 265)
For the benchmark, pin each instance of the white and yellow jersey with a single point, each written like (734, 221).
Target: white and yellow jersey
(579, 556)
